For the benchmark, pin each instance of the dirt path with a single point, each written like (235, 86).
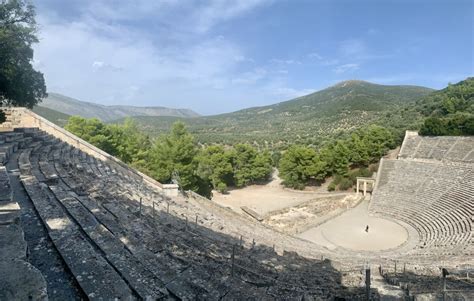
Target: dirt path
(265, 198)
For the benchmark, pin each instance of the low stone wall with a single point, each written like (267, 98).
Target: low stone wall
(24, 118)
(310, 214)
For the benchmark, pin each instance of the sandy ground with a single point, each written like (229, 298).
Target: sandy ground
(348, 231)
(263, 198)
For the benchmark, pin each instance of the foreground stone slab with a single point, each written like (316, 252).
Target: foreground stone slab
(97, 278)
(12, 242)
(9, 212)
(19, 280)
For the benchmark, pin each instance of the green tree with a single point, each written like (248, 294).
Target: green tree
(93, 131)
(358, 151)
(20, 84)
(433, 126)
(176, 154)
(132, 145)
(249, 166)
(336, 158)
(297, 165)
(215, 164)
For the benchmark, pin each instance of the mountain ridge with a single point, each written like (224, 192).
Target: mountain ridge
(338, 108)
(71, 106)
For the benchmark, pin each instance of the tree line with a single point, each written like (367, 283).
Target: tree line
(449, 111)
(176, 156)
(345, 159)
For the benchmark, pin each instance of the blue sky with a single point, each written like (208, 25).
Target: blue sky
(216, 56)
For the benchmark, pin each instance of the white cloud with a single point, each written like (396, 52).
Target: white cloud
(285, 62)
(217, 11)
(346, 68)
(101, 55)
(73, 67)
(315, 55)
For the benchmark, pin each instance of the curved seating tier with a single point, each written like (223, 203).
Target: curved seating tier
(442, 148)
(123, 239)
(436, 199)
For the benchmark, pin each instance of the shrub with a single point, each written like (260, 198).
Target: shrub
(221, 187)
(332, 186)
(345, 184)
(373, 168)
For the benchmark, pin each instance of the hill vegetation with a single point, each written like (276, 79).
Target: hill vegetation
(55, 117)
(449, 111)
(71, 106)
(301, 164)
(309, 120)
(176, 156)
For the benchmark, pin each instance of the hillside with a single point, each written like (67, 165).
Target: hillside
(307, 119)
(52, 115)
(71, 106)
(449, 111)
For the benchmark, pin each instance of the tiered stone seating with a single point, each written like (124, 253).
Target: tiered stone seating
(15, 271)
(436, 199)
(443, 148)
(123, 239)
(427, 283)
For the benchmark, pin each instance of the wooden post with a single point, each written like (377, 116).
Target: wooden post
(404, 267)
(395, 267)
(140, 206)
(196, 220)
(367, 283)
(154, 213)
(232, 259)
(167, 207)
(186, 225)
(253, 243)
(444, 287)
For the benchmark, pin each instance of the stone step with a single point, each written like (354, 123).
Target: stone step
(97, 278)
(19, 280)
(131, 269)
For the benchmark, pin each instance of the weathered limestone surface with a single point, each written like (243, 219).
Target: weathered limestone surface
(19, 280)
(93, 273)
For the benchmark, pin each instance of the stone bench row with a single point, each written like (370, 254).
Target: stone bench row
(185, 283)
(14, 266)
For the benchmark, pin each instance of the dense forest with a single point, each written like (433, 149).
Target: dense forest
(176, 156)
(449, 111)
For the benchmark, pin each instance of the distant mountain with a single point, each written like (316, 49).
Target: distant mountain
(306, 119)
(71, 106)
(52, 115)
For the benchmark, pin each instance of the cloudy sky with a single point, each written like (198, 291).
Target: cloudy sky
(216, 56)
